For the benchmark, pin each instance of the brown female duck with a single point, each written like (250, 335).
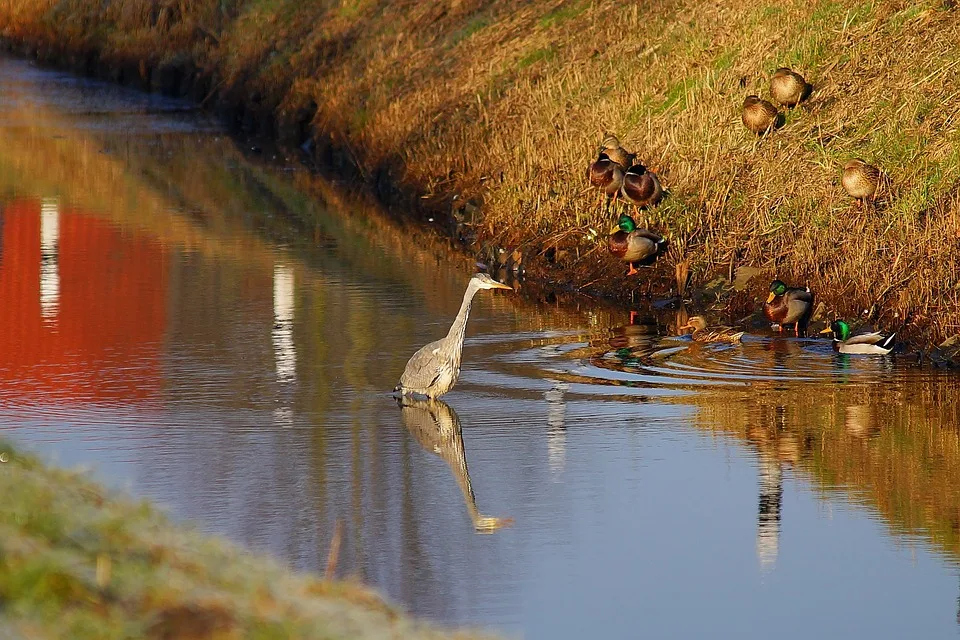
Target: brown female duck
(788, 87)
(861, 180)
(611, 147)
(631, 244)
(758, 115)
(789, 305)
(715, 334)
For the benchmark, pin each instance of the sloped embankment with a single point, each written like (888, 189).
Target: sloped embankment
(502, 104)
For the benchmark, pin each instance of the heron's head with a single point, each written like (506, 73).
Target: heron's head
(483, 281)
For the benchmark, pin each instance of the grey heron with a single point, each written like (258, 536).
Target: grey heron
(435, 368)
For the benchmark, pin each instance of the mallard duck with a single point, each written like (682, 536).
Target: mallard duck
(611, 146)
(633, 245)
(716, 334)
(641, 187)
(789, 305)
(759, 115)
(874, 343)
(789, 87)
(606, 175)
(861, 180)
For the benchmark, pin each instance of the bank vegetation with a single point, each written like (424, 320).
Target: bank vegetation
(484, 114)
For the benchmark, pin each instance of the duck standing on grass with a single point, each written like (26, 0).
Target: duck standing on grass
(789, 87)
(861, 180)
(874, 343)
(606, 175)
(641, 187)
(789, 305)
(611, 147)
(716, 334)
(631, 244)
(759, 115)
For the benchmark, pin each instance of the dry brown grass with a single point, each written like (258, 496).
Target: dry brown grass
(504, 103)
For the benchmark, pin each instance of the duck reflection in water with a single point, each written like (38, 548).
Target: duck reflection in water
(436, 426)
(629, 342)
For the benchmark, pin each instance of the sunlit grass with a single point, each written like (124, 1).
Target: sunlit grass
(448, 97)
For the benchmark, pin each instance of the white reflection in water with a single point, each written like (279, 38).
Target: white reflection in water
(556, 431)
(49, 267)
(284, 351)
(768, 516)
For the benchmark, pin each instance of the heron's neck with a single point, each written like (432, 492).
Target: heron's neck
(459, 325)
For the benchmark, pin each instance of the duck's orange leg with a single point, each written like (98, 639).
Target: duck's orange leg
(632, 271)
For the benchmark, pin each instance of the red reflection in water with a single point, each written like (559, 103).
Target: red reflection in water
(96, 335)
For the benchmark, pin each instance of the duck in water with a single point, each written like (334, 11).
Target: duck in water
(714, 334)
(874, 343)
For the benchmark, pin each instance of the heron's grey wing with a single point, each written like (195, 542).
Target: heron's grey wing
(423, 367)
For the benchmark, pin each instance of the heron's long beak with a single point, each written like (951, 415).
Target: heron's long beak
(771, 297)
(827, 330)
(500, 285)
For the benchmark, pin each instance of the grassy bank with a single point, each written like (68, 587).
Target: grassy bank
(77, 562)
(502, 105)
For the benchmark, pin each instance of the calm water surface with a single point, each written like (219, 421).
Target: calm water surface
(220, 334)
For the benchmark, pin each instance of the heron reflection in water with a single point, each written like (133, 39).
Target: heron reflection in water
(436, 427)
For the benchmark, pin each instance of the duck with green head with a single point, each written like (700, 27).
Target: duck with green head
(789, 305)
(633, 245)
(873, 343)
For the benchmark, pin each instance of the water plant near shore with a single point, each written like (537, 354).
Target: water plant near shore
(502, 107)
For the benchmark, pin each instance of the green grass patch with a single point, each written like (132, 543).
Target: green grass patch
(474, 25)
(543, 54)
(562, 14)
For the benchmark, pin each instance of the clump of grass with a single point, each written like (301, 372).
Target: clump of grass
(510, 115)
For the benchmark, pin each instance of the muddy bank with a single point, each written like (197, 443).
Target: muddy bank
(481, 117)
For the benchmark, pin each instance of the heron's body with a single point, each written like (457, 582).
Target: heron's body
(435, 367)
(873, 343)
(789, 305)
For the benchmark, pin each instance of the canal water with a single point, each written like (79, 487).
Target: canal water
(208, 326)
